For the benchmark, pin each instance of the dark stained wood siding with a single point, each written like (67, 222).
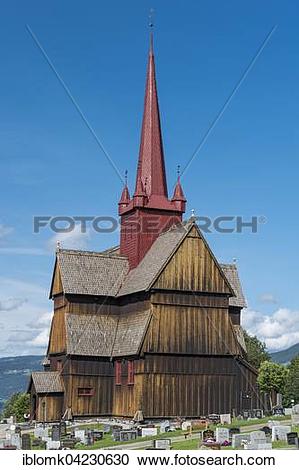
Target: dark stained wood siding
(193, 268)
(190, 330)
(90, 373)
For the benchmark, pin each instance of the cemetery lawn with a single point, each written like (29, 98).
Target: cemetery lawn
(108, 441)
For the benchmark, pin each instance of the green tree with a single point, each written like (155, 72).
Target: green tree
(292, 383)
(256, 350)
(17, 405)
(272, 378)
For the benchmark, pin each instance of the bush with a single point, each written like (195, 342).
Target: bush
(17, 405)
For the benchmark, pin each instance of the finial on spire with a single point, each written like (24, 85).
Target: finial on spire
(151, 26)
(126, 177)
(151, 18)
(178, 170)
(58, 245)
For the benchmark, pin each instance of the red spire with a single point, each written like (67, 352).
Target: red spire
(151, 166)
(178, 197)
(125, 196)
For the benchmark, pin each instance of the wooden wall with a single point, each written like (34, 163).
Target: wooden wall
(193, 268)
(190, 330)
(93, 373)
(129, 398)
(47, 407)
(188, 385)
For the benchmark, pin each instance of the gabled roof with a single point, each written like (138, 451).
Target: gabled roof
(90, 273)
(106, 335)
(107, 273)
(141, 278)
(144, 275)
(47, 382)
(231, 273)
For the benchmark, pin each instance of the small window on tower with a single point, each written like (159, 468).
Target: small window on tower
(130, 372)
(59, 365)
(85, 392)
(117, 365)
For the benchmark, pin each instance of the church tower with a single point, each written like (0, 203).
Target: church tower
(149, 212)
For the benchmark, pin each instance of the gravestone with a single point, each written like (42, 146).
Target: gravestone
(127, 435)
(80, 435)
(267, 430)
(26, 442)
(225, 419)
(163, 444)
(116, 434)
(233, 431)
(255, 446)
(68, 443)
(41, 432)
(149, 432)
(63, 428)
(53, 445)
(292, 438)
(89, 437)
(208, 434)
(279, 400)
(246, 414)
(165, 426)
(258, 438)
(214, 418)
(186, 425)
(279, 433)
(56, 432)
(238, 439)
(222, 435)
(278, 411)
(258, 413)
(98, 435)
(15, 440)
(106, 428)
(295, 415)
(288, 411)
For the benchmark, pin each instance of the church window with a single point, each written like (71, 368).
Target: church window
(117, 373)
(130, 373)
(85, 392)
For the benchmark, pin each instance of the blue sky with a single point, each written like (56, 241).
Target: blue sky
(51, 164)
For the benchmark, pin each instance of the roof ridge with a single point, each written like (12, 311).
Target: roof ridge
(91, 253)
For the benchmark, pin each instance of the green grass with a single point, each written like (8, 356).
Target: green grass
(108, 441)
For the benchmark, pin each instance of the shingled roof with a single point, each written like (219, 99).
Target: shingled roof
(107, 273)
(140, 278)
(106, 335)
(231, 273)
(47, 382)
(90, 273)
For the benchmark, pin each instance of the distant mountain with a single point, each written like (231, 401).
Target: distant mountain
(285, 356)
(14, 374)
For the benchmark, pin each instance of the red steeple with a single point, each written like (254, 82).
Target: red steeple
(151, 166)
(149, 212)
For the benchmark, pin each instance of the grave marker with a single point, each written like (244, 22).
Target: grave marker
(222, 435)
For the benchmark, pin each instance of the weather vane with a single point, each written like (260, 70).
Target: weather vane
(178, 170)
(126, 177)
(151, 18)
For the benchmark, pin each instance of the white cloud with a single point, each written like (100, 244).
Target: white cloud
(279, 330)
(268, 298)
(5, 230)
(76, 239)
(7, 305)
(23, 316)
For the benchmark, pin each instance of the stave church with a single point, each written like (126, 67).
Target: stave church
(151, 327)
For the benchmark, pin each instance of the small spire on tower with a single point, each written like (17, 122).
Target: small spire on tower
(125, 195)
(178, 196)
